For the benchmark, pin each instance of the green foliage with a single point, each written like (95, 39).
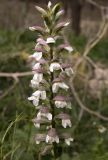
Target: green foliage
(100, 51)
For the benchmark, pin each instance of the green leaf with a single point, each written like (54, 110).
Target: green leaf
(47, 21)
(37, 29)
(59, 14)
(41, 10)
(56, 8)
(60, 26)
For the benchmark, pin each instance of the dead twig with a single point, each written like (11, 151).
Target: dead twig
(94, 4)
(77, 98)
(8, 90)
(15, 77)
(96, 39)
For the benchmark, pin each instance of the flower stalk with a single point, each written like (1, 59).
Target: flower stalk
(50, 89)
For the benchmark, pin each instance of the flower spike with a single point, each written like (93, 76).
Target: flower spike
(51, 92)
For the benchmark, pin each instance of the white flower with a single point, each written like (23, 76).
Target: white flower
(63, 104)
(43, 95)
(52, 136)
(52, 139)
(44, 111)
(65, 119)
(36, 96)
(34, 99)
(69, 71)
(34, 84)
(60, 104)
(40, 94)
(40, 138)
(48, 115)
(36, 55)
(50, 40)
(68, 140)
(38, 77)
(37, 125)
(62, 101)
(49, 4)
(58, 85)
(55, 87)
(36, 66)
(66, 122)
(55, 66)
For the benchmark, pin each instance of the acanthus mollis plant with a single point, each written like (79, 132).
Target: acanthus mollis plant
(51, 92)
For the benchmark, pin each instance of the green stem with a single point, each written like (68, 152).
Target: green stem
(52, 103)
(52, 95)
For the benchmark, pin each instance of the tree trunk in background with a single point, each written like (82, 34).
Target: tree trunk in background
(76, 8)
(66, 6)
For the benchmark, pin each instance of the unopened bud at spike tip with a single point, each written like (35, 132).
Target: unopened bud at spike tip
(49, 4)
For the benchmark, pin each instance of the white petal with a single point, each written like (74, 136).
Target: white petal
(55, 87)
(66, 24)
(43, 95)
(69, 71)
(67, 141)
(38, 77)
(36, 66)
(37, 94)
(47, 139)
(50, 40)
(54, 66)
(31, 98)
(101, 129)
(32, 28)
(48, 127)
(69, 106)
(69, 48)
(69, 123)
(71, 139)
(36, 102)
(37, 125)
(37, 142)
(57, 139)
(49, 4)
(37, 55)
(60, 104)
(63, 85)
(34, 84)
(58, 85)
(38, 115)
(49, 116)
(34, 99)
(64, 124)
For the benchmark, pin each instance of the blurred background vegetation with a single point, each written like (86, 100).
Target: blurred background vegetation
(90, 132)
